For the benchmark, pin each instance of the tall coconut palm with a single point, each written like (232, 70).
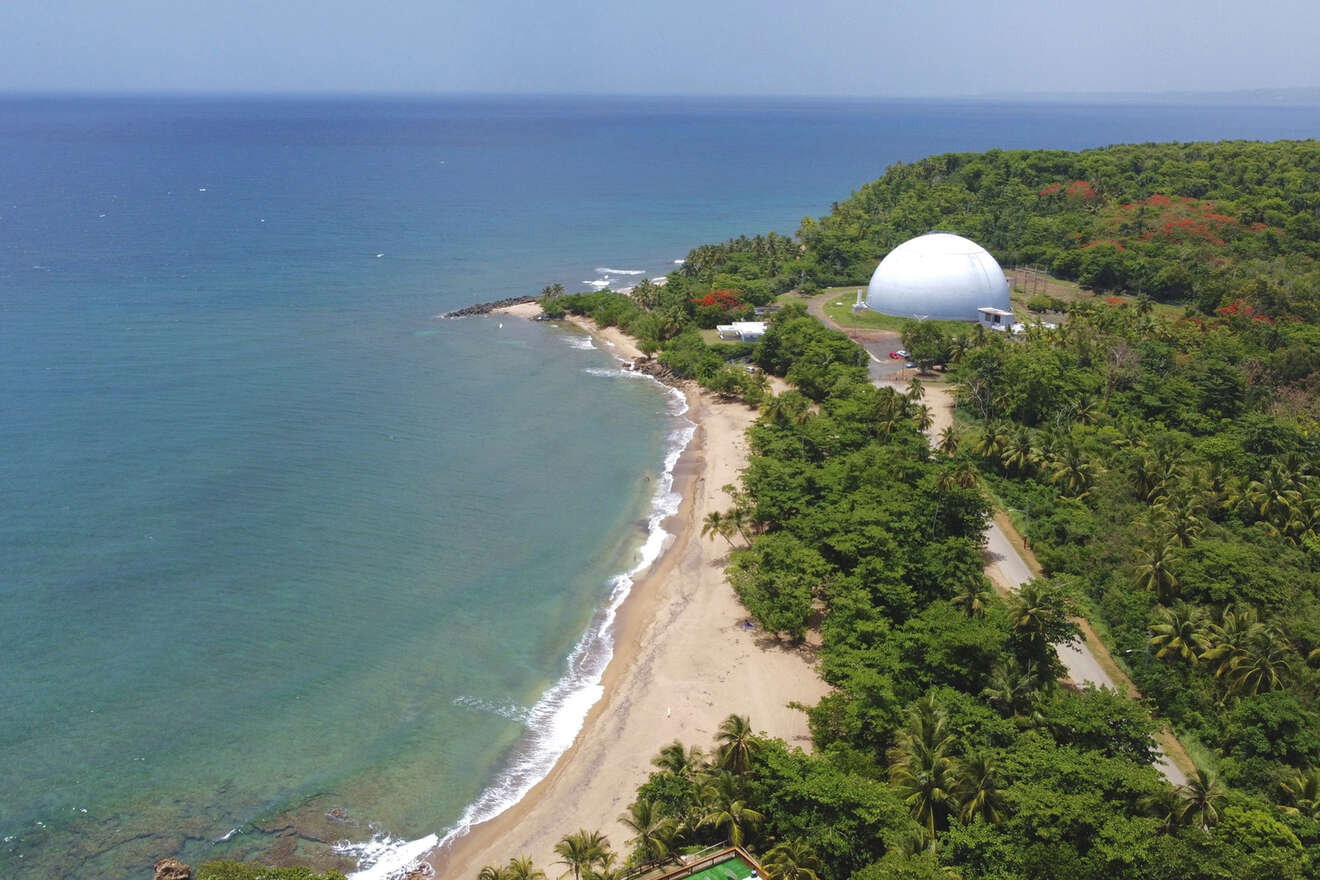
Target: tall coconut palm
(973, 595)
(915, 390)
(1072, 471)
(792, 860)
(1262, 664)
(680, 761)
(716, 523)
(1301, 793)
(978, 793)
(728, 809)
(922, 768)
(1179, 632)
(1154, 570)
(1013, 689)
(580, 851)
(654, 830)
(990, 443)
(1040, 613)
(738, 743)
(1202, 797)
(1226, 639)
(924, 417)
(948, 443)
(1179, 517)
(522, 868)
(1018, 455)
(492, 872)
(1273, 496)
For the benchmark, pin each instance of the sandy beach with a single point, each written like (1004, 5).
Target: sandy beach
(683, 662)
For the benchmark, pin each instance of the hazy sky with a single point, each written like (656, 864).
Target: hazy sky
(784, 47)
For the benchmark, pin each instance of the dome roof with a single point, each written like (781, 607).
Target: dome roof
(938, 275)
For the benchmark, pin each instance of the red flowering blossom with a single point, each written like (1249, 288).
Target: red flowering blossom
(1109, 241)
(1052, 190)
(1115, 301)
(1080, 189)
(723, 299)
(1159, 201)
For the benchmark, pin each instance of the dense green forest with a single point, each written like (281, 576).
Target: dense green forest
(1166, 472)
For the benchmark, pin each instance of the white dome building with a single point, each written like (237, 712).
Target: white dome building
(940, 276)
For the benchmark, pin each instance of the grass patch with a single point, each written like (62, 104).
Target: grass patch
(1024, 284)
(837, 303)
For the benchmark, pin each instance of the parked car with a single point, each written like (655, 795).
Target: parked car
(910, 364)
(895, 355)
(902, 353)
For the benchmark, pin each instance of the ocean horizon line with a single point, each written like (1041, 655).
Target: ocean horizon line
(1301, 96)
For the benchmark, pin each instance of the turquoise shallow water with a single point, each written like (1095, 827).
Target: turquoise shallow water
(286, 560)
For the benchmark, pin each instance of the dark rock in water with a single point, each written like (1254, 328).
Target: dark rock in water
(487, 308)
(656, 370)
(172, 869)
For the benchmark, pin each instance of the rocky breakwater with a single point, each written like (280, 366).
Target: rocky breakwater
(656, 370)
(488, 307)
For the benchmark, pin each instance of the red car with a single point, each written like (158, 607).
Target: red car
(895, 355)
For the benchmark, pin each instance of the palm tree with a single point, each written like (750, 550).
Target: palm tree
(973, 595)
(492, 872)
(1072, 471)
(1040, 613)
(1154, 570)
(948, 443)
(580, 851)
(915, 390)
(1163, 804)
(792, 860)
(923, 417)
(979, 793)
(1273, 496)
(991, 442)
(727, 808)
(1301, 793)
(1013, 689)
(522, 868)
(654, 830)
(922, 768)
(715, 523)
(738, 743)
(680, 761)
(1262, 664)
(1179, 632)
(604, 869)
(1202, 796)
(1018, 455)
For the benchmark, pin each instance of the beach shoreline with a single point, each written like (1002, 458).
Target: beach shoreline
(683, 661)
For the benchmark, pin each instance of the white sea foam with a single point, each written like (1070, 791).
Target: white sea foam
(581, 343)
(383, 857)
(553, 723)
(509, 710)
(679, 262)
(608, 271)
(599, 283)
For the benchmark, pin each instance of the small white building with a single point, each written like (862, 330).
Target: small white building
(747, 331)
(995, 319)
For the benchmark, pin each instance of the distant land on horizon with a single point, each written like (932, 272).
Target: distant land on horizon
(1298, 96)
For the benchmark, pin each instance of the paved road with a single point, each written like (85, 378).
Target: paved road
(1004, 564)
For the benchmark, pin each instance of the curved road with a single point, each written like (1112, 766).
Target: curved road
(1004, 565)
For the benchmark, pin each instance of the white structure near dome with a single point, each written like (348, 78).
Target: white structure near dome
(747, 331)
(940, 276)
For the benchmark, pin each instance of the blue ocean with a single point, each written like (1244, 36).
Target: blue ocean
(291, 567)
